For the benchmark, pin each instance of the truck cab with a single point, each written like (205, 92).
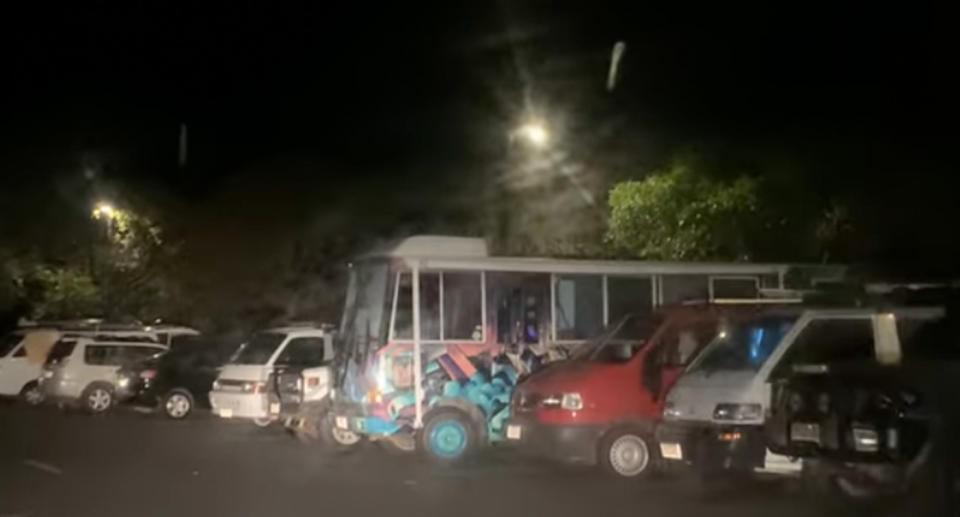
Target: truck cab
(271, 367)
(713, 418)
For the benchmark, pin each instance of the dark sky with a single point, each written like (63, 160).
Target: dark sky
(403, 94)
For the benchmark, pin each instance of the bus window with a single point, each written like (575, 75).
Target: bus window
(579, 306)
(682, 288)
(628, 295)
(462, 311)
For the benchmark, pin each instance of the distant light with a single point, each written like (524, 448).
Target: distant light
(103, 210)
(534, 133)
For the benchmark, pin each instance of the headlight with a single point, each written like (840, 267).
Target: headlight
(216, 385)
(123, 382)
(568, 401)
(738, 412)
(671, 411)
(254, 387)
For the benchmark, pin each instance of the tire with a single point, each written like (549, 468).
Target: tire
(177, 404)
(32, 395)
(98, 398)
(264, 422)
(336, 440)
(627, 453)
(448, 436)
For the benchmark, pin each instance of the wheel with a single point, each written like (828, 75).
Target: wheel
(626, 453)
(31, 394)
(98, 398)
(335, 439)
(264, 421)
(177, 404)
(448, 436)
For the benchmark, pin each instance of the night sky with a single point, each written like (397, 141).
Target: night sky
(394, 113)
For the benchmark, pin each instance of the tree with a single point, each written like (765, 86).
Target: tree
(681, 215)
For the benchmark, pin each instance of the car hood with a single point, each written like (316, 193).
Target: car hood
(563, 376)
(245, 372)
(696, 395)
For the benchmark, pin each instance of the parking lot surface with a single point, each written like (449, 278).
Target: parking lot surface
(55, 462)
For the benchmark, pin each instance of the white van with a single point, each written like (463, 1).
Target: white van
(85, 370)
(250, 386)
(23, 352)
(714, 415)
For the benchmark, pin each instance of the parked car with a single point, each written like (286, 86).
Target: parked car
(601, 406)
(24, 351)
(84, 371)
(272, 362)
(714, 416)
(874, 425)
(176, 382)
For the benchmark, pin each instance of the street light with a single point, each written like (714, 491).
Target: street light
(103, 210)
(534, 133)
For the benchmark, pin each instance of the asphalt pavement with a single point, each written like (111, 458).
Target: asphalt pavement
(55, 462)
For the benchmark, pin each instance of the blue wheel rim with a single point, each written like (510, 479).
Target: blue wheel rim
(448, 439)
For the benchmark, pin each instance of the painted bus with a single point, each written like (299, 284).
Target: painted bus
(436, 332)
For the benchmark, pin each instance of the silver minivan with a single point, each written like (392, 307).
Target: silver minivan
(84, 370)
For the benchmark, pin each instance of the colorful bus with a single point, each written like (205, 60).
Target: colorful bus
(436, 332)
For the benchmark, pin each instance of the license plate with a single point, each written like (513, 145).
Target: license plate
(274, 408)
(226, 413)
(671, 451)
(805, 432)
(342, 422)
(514, 432)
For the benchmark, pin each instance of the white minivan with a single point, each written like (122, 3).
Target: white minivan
(84, 370)
(714, 415)
(271, 363)
(24, 351)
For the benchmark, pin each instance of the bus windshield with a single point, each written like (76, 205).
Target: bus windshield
(363, 314)
(744, 345)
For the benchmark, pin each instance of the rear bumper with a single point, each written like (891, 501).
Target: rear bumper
(568, 443)
(711, 447)
(242, 405)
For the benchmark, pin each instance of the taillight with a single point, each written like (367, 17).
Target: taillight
(313, 382)
(148, 374)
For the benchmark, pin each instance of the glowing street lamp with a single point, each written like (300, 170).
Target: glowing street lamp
(104, 210)
(534, 133)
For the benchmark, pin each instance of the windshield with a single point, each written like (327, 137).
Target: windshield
(619, 342)
(744, 345)
(363, 314)
(259, 349)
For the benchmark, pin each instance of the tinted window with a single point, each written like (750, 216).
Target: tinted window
(744, 288)
(302, 351)
(101, 355)
(61, 350)
(826, 341)
(626, 295)
(579, 306)
(259, 349)
(8, 342)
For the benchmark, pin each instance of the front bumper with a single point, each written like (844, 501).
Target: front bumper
(711, 447)
(243, 405)
(568, 443)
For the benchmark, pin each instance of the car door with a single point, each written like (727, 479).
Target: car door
(301, 371)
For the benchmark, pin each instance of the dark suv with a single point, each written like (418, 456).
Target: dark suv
(176, 382)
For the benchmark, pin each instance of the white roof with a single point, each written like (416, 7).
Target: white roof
(313, 331)
(91, 341)
(433, 246)
(610, 267)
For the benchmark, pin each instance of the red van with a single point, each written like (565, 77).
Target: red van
(601, 406)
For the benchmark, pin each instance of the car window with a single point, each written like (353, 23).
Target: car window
(100, 355)
(826, 341)
(259, 349)
(8, 342)
(138, 353)
(302, 351)
(680, 343)
(60, 351)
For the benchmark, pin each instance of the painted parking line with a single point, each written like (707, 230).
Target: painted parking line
(46, 467)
